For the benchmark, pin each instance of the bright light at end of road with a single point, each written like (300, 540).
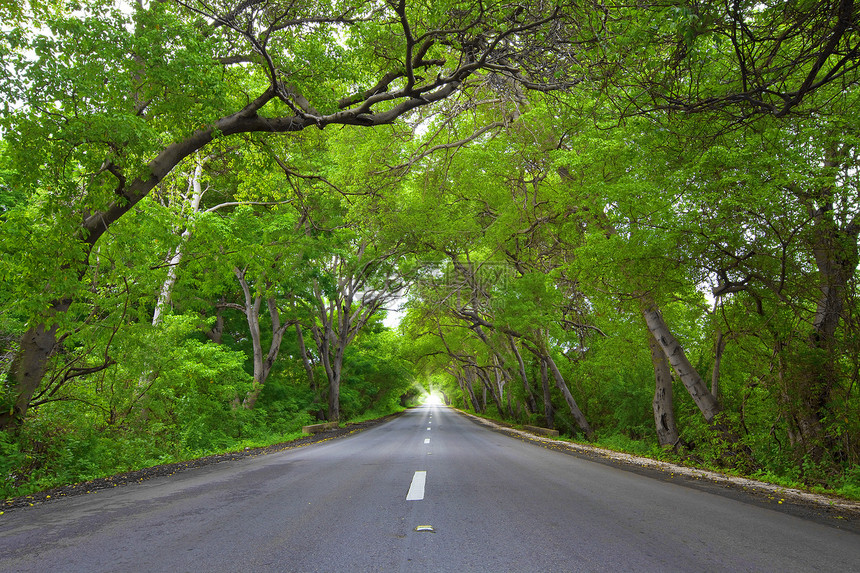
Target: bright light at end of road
(433, 400)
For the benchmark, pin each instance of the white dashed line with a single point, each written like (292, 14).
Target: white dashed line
(426, 440)
(416, 490)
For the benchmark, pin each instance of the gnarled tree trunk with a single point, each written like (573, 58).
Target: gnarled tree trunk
(263, 362)
(568, 397)
(698, 390)
(836, 256)
(664, 415)
(468, 379)
(29, 366)
(719, 348)
(531, 404)
(548, 411)
(306, 360)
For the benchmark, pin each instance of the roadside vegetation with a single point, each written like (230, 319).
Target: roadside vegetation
(637, 225)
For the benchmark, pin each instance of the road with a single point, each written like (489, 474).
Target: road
(494, 503)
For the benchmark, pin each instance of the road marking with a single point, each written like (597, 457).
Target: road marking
(426, 440)
(416, 490)
(428, 427)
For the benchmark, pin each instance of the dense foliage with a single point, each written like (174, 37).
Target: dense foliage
(638, 225)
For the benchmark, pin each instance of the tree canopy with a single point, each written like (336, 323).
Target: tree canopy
(636, 224)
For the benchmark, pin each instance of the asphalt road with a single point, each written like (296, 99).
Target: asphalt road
(494, 504)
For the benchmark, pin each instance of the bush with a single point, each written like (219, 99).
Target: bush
(12, 459)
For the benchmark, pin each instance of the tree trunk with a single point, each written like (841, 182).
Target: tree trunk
(836, 256)
(29, 366)
(531, 404)
(323, 338)
(217, 331)
(262, 363)
(341, 317)
(334, 385)
(719, 348)
(252, 315)
(548, 411)
(502, 378)
(306, 361)
(664, 416)
(568, 397)
(470, 388)
(166, 292)
(493, 390)
(483, 396)
(334, 398)
(278, 331)
(691, 379)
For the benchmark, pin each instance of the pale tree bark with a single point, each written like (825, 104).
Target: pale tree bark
(503, 379)
(538, 349)
(491, 388)
(483, 396)
(531, 404)
(500, 380)
(468, 379)
(568, 397)
(548, 410)
(696, 387)
(541, 351)
(499, 366)
(457, 371)
(340, 318)
(192, 208)
(445, 397)
(188, 208)
(677, 357)
(263, 361)
(460, 368)
(663, 405)
(306, 359)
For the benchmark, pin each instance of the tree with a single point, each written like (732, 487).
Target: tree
(356, 283)
(102, 147)
(741, 60)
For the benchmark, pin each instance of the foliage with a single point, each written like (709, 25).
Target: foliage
(202, 271)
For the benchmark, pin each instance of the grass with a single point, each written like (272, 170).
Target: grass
(850, 489)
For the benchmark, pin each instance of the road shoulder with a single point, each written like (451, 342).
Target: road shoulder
(829, 510)
(163, 470)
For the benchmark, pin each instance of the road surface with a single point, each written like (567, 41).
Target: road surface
(480, 501)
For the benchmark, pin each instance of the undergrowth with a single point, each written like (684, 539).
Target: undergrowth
(44, 457)
(846, 485)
